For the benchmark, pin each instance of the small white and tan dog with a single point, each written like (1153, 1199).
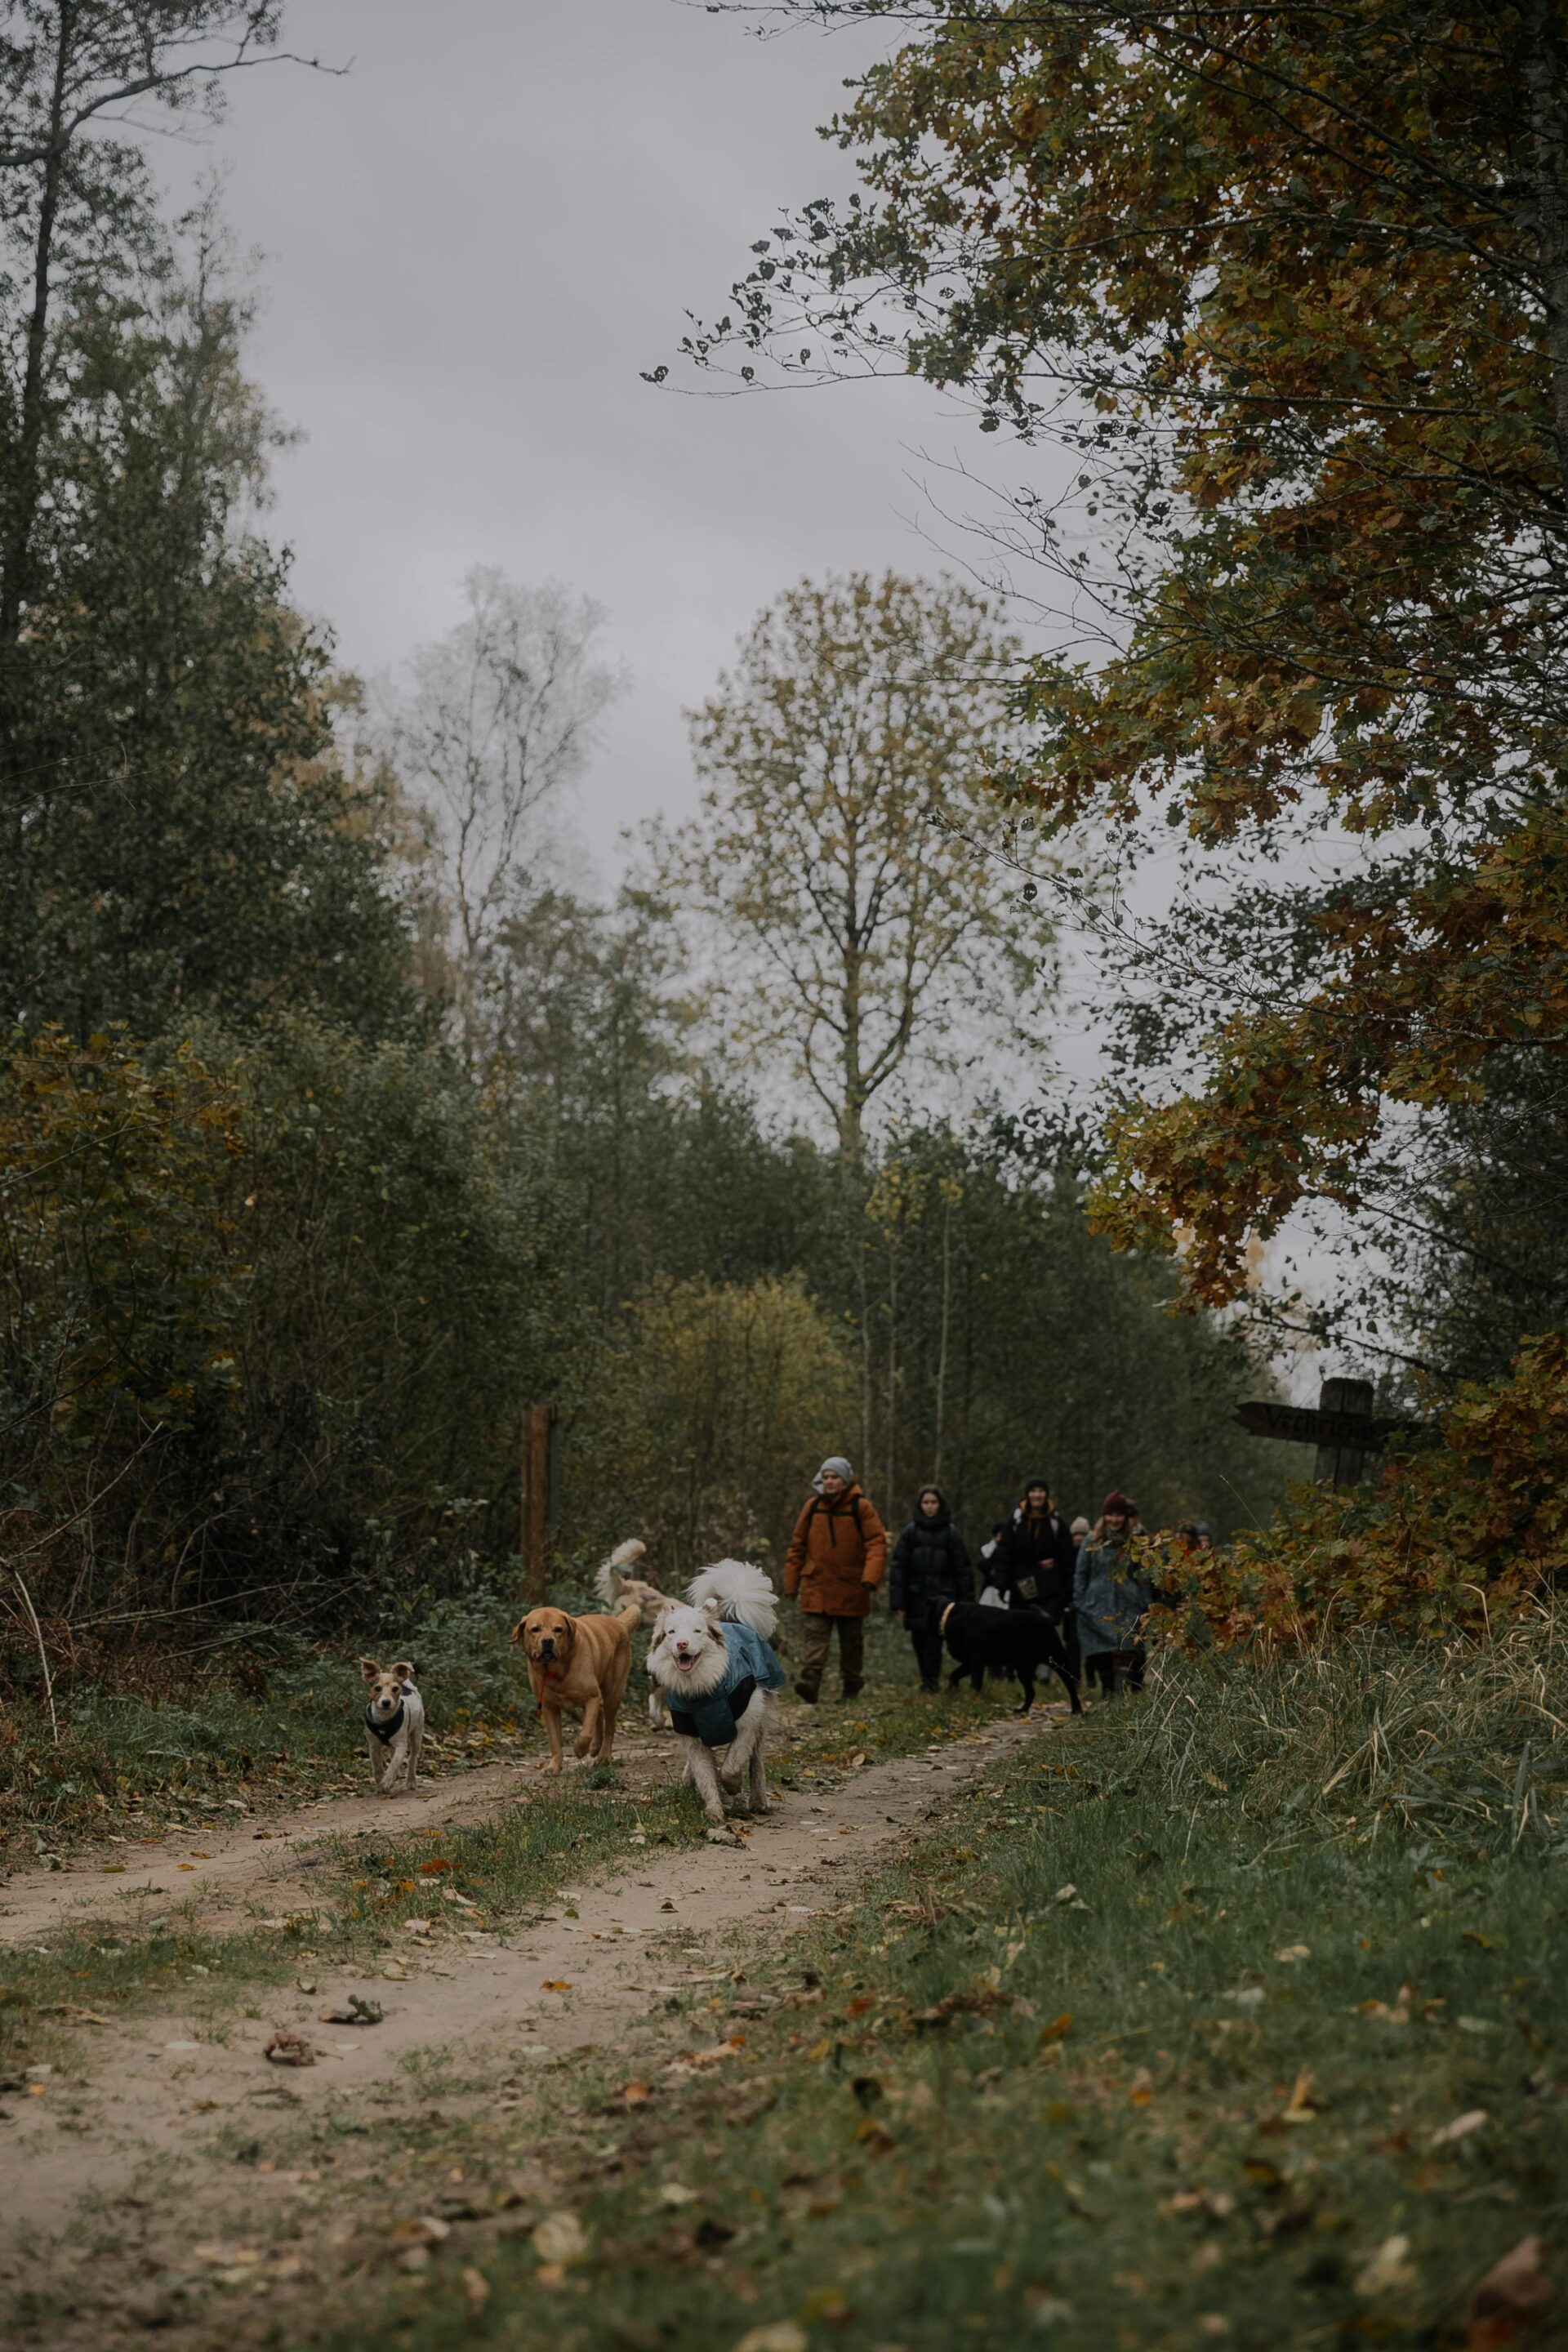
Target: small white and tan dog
(394, 1725)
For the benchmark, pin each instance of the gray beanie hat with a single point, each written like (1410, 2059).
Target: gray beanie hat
(840, 1468)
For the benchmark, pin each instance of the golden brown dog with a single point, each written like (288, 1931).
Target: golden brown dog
(580, 1662)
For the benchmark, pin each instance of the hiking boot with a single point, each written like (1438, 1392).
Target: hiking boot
(806, 1691)
(853, 1690)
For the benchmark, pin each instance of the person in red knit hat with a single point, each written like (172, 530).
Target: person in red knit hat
(1111, 1601)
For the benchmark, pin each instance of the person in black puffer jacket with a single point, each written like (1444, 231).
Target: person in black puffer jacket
(930, 1568)
(1035, 1561)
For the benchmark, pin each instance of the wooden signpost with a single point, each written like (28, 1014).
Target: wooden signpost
(1343, 1427)
(538, 1458)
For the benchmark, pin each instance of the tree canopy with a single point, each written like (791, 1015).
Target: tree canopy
(1292, 284)
(838, 863)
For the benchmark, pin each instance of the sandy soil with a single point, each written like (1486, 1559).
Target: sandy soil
(111, 2178)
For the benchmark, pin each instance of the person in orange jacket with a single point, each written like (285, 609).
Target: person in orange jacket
(836, 1559)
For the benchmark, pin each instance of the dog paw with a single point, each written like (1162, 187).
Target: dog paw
(722, 1836)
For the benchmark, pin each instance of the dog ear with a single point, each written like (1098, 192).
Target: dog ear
(517, 1630)
(403, 1672)
(369, 1670)
(710, 1606)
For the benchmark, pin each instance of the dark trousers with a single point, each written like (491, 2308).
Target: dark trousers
(1065, 1623)
(1099, 1667)
(816, 1630)
(926, 1640)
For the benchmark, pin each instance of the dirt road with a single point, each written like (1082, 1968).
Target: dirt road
(114, 2176)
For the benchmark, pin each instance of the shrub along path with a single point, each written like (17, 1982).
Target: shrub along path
(500, 1924)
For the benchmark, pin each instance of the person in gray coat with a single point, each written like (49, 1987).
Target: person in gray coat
(1110, 1600)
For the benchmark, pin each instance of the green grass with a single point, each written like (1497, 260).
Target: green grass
(1161, 2045)
(277, 1719)
(273, 1719)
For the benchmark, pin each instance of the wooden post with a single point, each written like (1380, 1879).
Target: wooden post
(538, 1422)
(1340, 1462)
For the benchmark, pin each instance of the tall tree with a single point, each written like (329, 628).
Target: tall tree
(175, 831)
(1292, 283)
(491, 722)
(835, 862)
(76, 200)
(178, 832)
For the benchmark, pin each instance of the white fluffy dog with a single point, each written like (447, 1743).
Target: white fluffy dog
(690, 1662)
(691, 1659)
(742, 1591)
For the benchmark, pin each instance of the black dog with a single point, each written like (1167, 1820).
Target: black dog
(1019, 1641)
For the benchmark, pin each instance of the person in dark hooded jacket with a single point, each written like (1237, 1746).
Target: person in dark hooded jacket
(1035, 1555)
(930, 1568)
(1035, 1561)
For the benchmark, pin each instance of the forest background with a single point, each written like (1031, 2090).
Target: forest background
(337, 1128)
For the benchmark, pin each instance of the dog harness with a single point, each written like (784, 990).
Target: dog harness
(715, 1717)
(386, 1732)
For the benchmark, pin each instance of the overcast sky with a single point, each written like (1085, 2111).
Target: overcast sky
(470, 245)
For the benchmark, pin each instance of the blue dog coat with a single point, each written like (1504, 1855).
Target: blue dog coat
(715, 1717)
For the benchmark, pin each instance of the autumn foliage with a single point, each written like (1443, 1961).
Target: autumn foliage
(1291, 285)
(1468, 1528)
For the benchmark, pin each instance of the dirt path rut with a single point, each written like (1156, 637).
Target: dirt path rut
(144, 2144)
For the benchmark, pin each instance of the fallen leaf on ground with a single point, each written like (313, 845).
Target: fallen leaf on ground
(1386, 2272)
(289, 2049)
(1142, 2089)
(781, 2336)
(434, 1867)
(1510, 2296)
(476, 2286)
(555, 1984)
(560, 2239)
(421, 2229)
(674, 2193)
(636, 2094)
(720, 2051)
(1460, 2128)
(1304, 2103)
(358, 2011)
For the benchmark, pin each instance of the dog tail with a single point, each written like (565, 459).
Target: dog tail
(627, 1596)
(609, 1583)
(743, 1591)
